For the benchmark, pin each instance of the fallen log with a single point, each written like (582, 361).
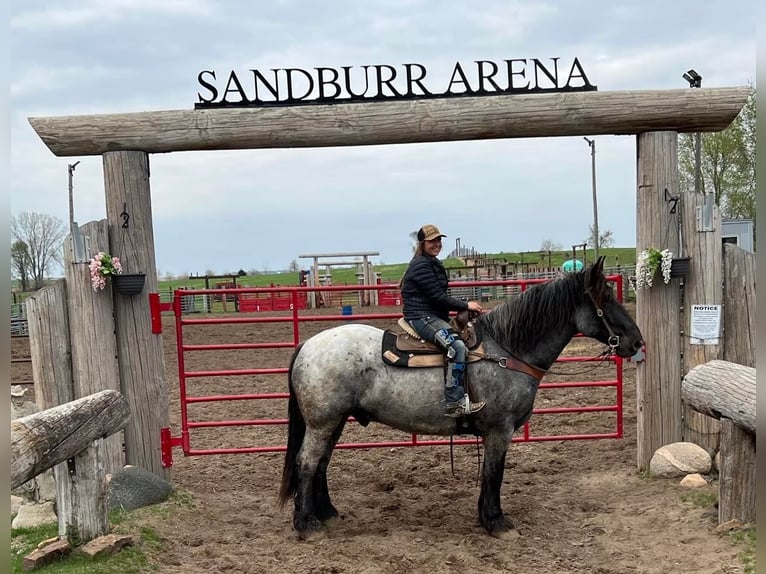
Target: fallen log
(722, 389)
(44, 439)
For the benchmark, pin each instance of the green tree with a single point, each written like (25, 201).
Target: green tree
(727, 164)
(20, 266)
(43, 235)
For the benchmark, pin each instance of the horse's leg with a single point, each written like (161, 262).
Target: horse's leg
(315, 444)
(490, 514)
(323, 507)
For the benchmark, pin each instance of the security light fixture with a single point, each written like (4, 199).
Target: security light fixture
(694, 79)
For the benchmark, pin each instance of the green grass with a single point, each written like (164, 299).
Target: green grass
(135, 559)
(700, 499)
(747, 540)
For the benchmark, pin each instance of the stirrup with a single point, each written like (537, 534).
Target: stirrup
(463, 407)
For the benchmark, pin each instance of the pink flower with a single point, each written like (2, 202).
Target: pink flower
(102, 265)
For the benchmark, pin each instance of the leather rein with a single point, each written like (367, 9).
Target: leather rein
(513, 364)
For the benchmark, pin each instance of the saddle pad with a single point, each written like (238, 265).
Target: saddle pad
(417, 356)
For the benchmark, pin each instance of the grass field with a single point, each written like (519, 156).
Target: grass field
(390, 273)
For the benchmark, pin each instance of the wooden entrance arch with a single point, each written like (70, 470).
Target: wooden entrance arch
(125, 141)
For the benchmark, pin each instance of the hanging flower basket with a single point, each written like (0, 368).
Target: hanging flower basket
(679, 267)
(129, 283)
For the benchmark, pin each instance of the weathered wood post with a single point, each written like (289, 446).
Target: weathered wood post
(658, 376)
(51, 353)
(70, 325)
(91, 327)
(739, 305)
(701, 287)
(140, 354)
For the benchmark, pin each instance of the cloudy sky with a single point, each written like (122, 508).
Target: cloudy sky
(261, 209)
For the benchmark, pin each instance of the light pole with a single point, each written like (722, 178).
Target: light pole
(592, 144)
(70, 169)
(695, 81)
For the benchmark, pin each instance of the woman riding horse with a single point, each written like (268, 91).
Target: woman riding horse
(340, 373)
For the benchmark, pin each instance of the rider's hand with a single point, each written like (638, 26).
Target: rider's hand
(474, 306)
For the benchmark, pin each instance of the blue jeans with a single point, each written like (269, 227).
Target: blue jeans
(440, 332)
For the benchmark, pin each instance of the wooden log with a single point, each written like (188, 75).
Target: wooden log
(140, 354)
(91, 328)
(739, 305)
(395, 121)
(722, 389)
(701, 287)
(51, 353)
(658, 376)
(46, 438)
(737, 475)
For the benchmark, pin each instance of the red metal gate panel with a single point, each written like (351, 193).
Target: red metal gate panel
(294, 299)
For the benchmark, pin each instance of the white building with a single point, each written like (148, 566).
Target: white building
(740, 232)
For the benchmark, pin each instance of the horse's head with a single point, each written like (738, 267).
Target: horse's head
(602, 316)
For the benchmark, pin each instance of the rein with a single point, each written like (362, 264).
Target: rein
(614, 339)
(512, 363)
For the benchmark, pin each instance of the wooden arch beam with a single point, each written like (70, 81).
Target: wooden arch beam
(395, 121)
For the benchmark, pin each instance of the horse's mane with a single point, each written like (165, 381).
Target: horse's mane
(518, 324)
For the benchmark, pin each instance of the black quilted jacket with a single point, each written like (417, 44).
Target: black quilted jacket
(424, 290)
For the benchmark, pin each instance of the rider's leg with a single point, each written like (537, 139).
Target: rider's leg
(440, 332)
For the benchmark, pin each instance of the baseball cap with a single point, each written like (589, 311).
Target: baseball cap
(429, 232)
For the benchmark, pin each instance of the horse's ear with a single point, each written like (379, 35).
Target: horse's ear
(600, 264)
(596, 272)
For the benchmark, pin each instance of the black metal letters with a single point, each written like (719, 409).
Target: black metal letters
(291, 86)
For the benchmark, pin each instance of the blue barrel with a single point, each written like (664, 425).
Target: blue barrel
(346, 310)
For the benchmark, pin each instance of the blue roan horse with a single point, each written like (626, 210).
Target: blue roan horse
(339, 372)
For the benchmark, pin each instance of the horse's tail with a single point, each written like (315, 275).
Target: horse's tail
(296, 428)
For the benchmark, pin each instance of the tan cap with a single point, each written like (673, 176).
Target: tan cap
(429, 232)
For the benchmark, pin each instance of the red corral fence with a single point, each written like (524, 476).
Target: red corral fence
(292, 302)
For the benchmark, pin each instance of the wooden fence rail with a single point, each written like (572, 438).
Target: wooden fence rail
(42, 440)
(726, 391)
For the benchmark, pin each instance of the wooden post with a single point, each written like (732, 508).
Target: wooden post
(658, 377)
(737, 475)
(91, 326)
(51, 354)
(140, 353)
(727, 391)
(701, 287)
(739, 305)
(46, 438)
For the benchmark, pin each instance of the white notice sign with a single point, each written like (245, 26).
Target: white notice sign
(705, 324)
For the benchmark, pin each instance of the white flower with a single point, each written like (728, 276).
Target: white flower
(647, 264)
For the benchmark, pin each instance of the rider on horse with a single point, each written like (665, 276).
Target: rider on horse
(427, 304)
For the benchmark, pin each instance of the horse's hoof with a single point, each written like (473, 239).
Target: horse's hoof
(333, 521)
(307, 528)
(506, 534)
(312, 535)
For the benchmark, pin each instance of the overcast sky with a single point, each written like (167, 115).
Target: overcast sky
(260, 209)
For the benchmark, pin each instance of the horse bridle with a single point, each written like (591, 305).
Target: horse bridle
(614, 339)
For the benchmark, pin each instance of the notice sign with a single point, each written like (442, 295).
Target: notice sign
(706, 324)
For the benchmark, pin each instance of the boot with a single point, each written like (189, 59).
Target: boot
(463, 407)
(458, 403)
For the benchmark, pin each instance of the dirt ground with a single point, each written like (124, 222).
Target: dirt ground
(578, 506)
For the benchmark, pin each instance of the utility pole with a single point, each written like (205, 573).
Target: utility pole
(592, 144)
